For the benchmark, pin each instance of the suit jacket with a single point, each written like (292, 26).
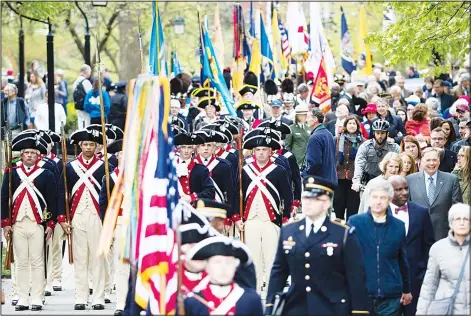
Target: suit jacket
(447, 164)
(447, 193)
(446, 100)
(327, 271)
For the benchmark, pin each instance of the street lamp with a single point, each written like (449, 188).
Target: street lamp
(87, 52)
(99, 3)
(179, 25)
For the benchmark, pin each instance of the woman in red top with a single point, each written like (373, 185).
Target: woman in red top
(419, 125)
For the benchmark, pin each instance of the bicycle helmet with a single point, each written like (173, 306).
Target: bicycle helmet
(380, 125)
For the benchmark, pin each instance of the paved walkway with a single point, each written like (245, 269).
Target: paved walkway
(60, 303)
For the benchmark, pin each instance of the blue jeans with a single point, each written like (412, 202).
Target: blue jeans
(387, 306)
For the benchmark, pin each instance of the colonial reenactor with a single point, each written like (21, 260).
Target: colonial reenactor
(33, 215)
(84, 176)
(250, 86)
(267, 203)
(176, 94)
(287, 95)
(122, 269)
(208, 102)
(219, 169)
(193, 179)
(222, 296)
(323, 258)
(271, 90)
(248, 108)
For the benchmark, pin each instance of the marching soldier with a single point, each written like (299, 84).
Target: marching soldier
(267, 203)
(122, 269)
(222, 296)
(176, 88)
(323, 258)
(84, 176)
(207, 101)
(33, 216)
(193, 178)
(250, 86)
(248, 108)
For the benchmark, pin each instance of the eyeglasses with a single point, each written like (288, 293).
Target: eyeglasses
(437, 138)
(459, 112)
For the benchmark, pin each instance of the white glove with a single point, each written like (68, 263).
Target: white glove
(356, 187)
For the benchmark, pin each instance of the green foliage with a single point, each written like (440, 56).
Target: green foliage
(71, 122)
(423, 31)
(5, 273)
(42, 10)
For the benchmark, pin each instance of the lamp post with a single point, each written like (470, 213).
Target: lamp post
(50, 78)
(21, 38)
(179, 25)
(87, 53)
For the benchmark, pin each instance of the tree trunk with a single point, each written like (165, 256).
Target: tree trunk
(129, 55)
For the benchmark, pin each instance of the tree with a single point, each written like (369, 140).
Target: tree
(424, 33)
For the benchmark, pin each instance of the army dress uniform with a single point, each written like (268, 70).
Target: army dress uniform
(267, 203)
(84, 183)
(33, 209)
(324, 261)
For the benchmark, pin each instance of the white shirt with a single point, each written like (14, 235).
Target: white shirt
(427, 181)
(403, 216)
(338, 123)
(317, 225)
(87, 85)
(41, 120)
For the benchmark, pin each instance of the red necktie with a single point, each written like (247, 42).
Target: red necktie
(402, 208)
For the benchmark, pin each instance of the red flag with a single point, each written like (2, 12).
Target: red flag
(320, 92)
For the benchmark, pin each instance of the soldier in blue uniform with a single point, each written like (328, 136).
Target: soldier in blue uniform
(33, 215)
(222, 296)
(84, 176)
(323, 258)
(193, 179)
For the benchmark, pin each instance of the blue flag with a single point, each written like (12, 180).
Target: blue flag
(176, 69)
(157, 50)
(267, 55)
(346, 46)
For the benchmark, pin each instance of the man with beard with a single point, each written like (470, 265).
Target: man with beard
(370, 154)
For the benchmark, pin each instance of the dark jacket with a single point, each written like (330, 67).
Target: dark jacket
(387, 277)
(119, 103)
(21, 113)
(320, 155)
(446, 101)
(395, 126)
(447, 164)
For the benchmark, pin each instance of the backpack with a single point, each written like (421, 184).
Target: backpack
(79, 95)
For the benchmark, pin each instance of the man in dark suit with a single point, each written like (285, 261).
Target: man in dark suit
(445, 99)
(438, 140)
(419, 236)
(436, 190)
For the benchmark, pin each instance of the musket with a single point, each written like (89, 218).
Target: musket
(8, 157)
(103, 127)
(66, 192)
(140, 42)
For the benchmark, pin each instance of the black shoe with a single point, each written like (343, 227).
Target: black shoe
(118, 312)
(14, 302)
(57, 288)
(36, 307)
(114, 288)
(98, 307)
(107, 301)
(79, 307)
(47, 293)
(20, 308)
(91, 291)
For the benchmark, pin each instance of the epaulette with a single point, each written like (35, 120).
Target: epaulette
(339, 222)
(293, 222)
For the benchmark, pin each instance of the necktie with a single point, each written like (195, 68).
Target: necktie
(312, 231)
(431, 190)
(402, 208)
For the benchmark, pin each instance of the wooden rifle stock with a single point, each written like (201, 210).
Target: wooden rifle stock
(241, 191)
(8, 157)
(66, 192)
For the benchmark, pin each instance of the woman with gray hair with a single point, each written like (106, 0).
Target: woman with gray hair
(432, 105)
(446, 286)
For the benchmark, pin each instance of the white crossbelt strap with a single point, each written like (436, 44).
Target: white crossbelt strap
(27, 183)
(114, 176)
(84, 178)
(219, 195)
(212, 165)
(288, 154)
(224, 155)
(256, 178)
(203, 283)
(229, 301)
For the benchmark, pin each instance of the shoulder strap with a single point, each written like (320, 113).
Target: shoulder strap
(457, 287)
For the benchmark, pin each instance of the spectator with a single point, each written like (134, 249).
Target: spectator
(434, 189)
(14, 110)
(401, 81)
(419, 125)
(437, 140)
(419, 236)
(432, 105)
(119, 104)
(402, 114)
(427, 88)
(60, 74)
(447, 262)
(42, 116)
(396, 128)
(336, 126)
(395, 95)
(372, 90)
(334, 95)
(369, 114)
(411, 146)
(435, 122)
(35, 94)
(408, 165)
(320, 153)
(412, 72)
(303, 94)
(444, 100)
(347, 144)
(106, 80)
(390, 165)
(410, 109)
(450, 135)
(466, 141)
(463, 132)
(463, 87)
(420, 94)
(370, 153)
(92, 103)
(297, 140)
(462, 112)
(463, 172)
(348, 93)
(60, 92)
(413, 100)
(382, 238)
(81, 87)
(361, 85)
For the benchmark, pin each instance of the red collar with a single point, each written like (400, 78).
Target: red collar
(199, 159)
(280, 151)
(51, 155)
(261, 169)
(116, 170)
(33, 169)
(92, 162)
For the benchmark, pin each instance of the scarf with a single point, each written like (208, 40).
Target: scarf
(355, 143)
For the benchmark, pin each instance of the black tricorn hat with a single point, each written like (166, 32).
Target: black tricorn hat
(110, 134)
(247, 105)
(193, 227)
(92, 135)
(30, 140)
(220, 246)
(115, 146)
(187, 139)
(210, 208)
(261, 141)
(276, 125)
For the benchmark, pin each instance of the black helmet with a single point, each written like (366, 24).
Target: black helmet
(380, 125)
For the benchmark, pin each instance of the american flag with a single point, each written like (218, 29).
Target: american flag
(158, 248)
(286, 48)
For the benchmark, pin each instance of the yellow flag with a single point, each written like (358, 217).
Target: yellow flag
(279, 60)
(368, 70)
(256, 60)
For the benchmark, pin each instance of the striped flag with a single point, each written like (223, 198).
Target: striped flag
(157, 47)
(284, 39)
